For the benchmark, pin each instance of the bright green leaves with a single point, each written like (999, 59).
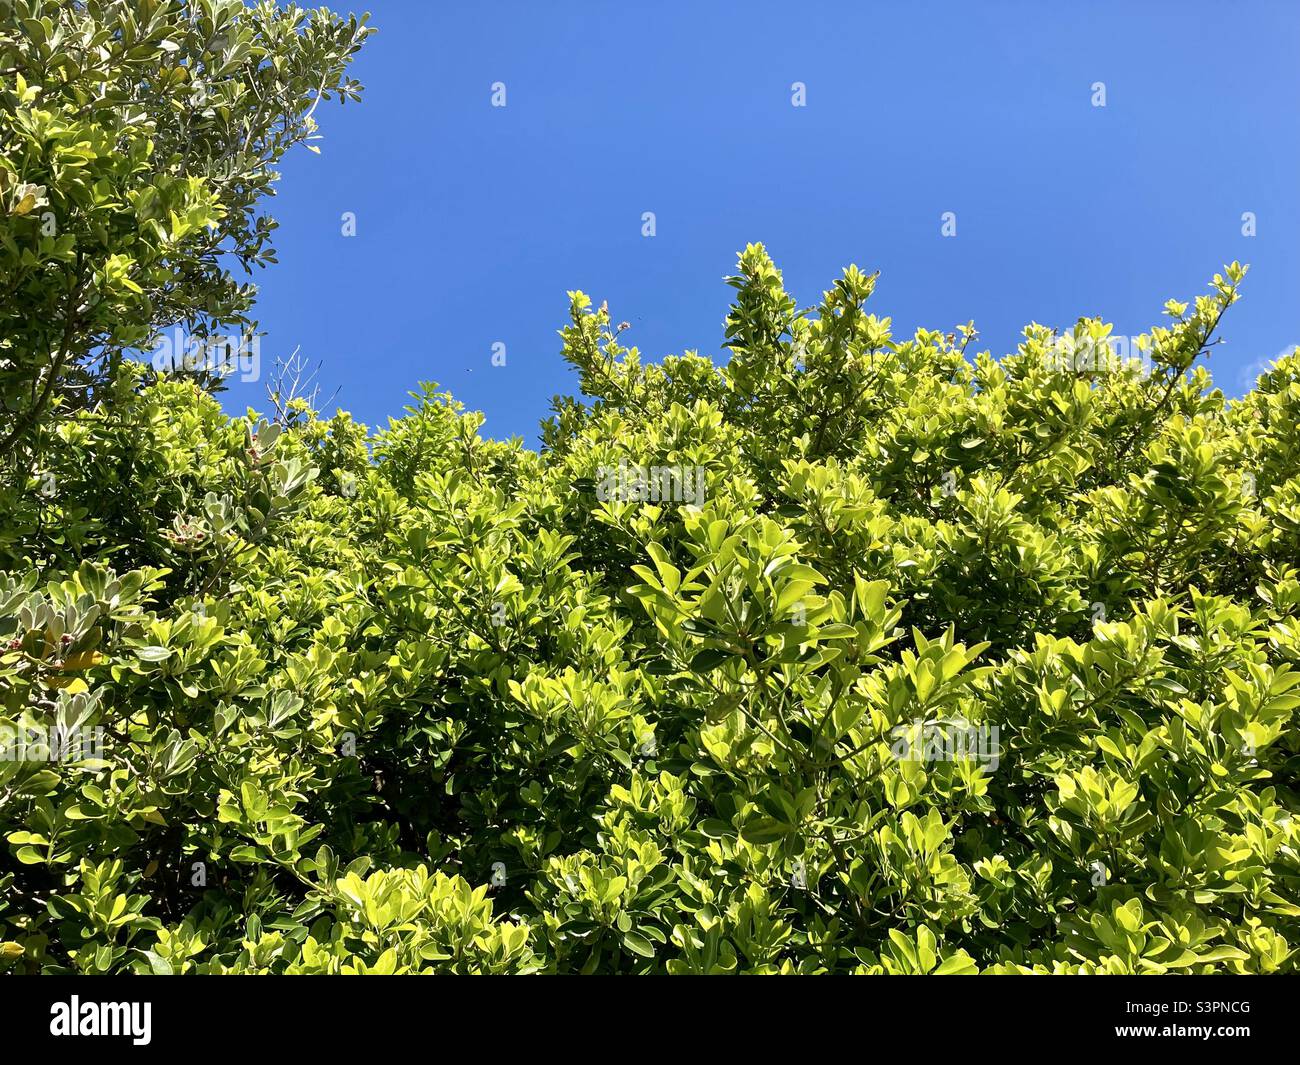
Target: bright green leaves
(778, 814)
(272, 830)
(1099, 798)
(98, 919)
(606, 369)
(746, 595)
(607, 909)
(921, 956)
(399, 921)
(127, 181)
(1128, 939)
(584, 715)
(954, 664)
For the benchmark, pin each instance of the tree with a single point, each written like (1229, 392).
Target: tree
(137, 140)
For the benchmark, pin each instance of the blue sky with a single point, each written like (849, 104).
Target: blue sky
(472, 220)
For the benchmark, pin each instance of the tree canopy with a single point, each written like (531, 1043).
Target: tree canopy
(946, 664)
(137, 140)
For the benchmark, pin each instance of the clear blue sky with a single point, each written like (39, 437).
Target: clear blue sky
(472, 220)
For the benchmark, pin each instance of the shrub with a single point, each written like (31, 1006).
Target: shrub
(853, 654)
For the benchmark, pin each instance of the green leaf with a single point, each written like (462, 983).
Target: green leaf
(765, 830)
(638, 944)
(709, 659)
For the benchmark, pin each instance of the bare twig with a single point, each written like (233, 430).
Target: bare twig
(291, 380)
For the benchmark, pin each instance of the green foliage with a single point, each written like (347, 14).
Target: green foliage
(137, 138)
(415, 700)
